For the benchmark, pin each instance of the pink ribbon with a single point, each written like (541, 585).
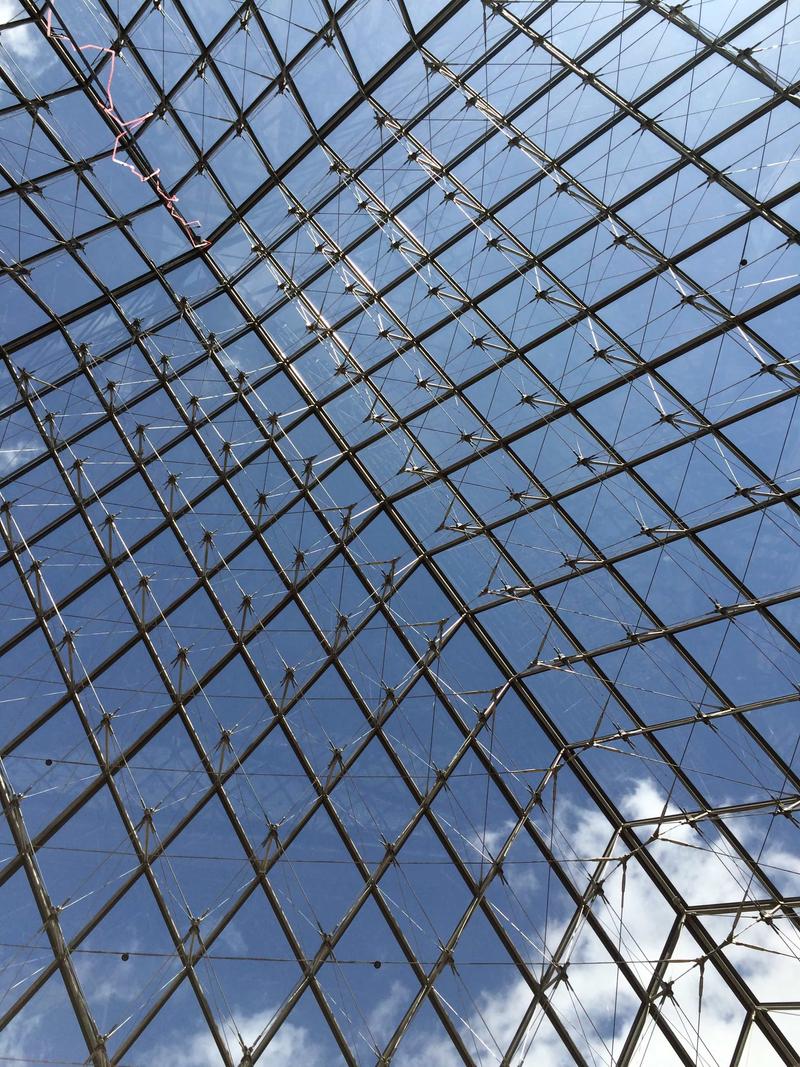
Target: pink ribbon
(126, 129)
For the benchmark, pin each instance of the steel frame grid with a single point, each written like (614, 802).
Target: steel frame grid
(689, 424)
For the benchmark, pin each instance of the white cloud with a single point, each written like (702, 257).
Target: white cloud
(586, 1006)
(596, 1005)
(383, 1017)
(24, 42)
(293, 1045)
(521, 877)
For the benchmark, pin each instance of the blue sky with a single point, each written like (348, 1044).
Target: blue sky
(400, 628)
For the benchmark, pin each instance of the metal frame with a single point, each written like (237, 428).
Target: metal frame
(552, 408)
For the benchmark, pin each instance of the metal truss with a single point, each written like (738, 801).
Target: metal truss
(399, 511)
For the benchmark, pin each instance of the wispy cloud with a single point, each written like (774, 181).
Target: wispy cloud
(12, 456)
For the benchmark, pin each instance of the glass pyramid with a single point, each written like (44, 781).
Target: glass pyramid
(399, 480)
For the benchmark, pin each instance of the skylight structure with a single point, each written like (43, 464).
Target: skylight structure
(399, 478)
